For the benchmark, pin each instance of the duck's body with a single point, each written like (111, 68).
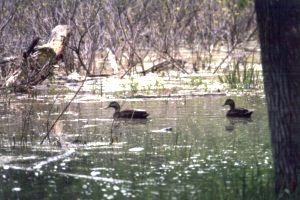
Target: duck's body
(127, 114)
(236, 112)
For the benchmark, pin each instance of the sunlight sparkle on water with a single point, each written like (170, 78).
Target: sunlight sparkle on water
(16, 189)
(136, 149)
(95, 173)
(6, 167)
(115, 187)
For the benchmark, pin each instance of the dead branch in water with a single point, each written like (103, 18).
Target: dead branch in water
(37, 62)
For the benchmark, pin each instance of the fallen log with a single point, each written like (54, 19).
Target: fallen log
(36, 64)
(167, 65)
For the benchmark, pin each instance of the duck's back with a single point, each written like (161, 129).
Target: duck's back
(239, 112)
(132, 114)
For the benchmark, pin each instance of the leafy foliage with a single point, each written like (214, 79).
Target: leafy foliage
(196, 81)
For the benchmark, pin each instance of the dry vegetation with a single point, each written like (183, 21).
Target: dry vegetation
(140, 36)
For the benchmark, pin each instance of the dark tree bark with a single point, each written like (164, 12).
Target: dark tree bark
(279, 33)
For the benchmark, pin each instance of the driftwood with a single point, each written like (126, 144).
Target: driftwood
(37, 62)
(167, 65)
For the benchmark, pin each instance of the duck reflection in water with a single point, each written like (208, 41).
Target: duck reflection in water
(127, 114)
(234, 121)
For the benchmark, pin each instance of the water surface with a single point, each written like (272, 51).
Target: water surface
(188, 149)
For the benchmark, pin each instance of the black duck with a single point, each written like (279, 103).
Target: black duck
(127, 114)
(236, 112)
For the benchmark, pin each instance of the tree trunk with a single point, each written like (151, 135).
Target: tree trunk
(279, 32)
(37, 62)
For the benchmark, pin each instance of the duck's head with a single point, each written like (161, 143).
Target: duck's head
(230, 103)
(114, 105)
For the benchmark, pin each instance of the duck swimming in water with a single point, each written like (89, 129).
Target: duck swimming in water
(127, 114)
(236, 112)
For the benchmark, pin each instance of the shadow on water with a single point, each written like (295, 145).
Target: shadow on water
(188, 149)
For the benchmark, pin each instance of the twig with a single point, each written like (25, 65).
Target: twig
(233, 48)
(49, 112)
(64, 110)
(224, 59)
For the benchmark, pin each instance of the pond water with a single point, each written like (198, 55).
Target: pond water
(188, 149)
